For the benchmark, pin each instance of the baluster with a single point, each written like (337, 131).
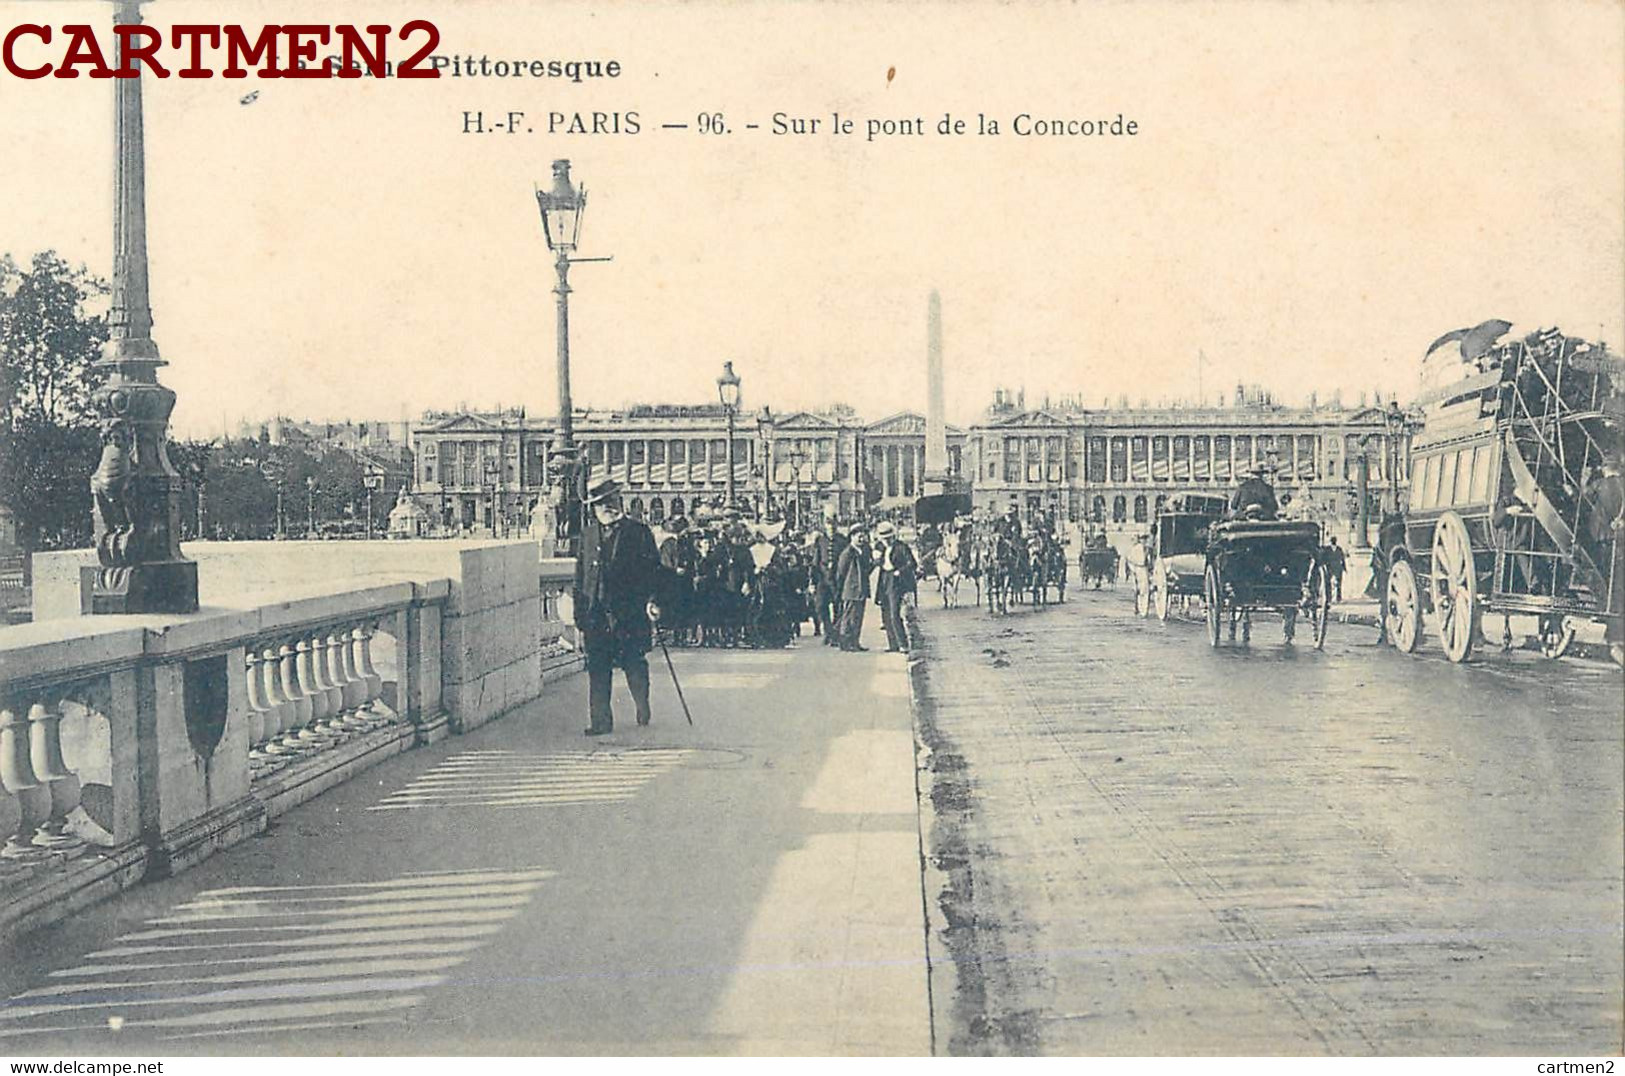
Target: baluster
(280, 712)
(369, 673)
(355, 686)
(259, 716)
(60, 784)
(301, 704)
(329, 675)
(17, 777)
(273, 752)
(311, 734)
(342, 675)
(11, 816)
(321, 661)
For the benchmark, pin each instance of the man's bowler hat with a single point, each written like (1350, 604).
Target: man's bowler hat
(605, 489)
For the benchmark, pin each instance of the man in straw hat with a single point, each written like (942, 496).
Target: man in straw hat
(895, 583)
(617, 575)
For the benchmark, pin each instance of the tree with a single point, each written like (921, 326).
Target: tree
(49, 343)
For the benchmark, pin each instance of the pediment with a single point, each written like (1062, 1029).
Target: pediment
(1032, 418)
(464, 423)
(903, 422)
(803, 420)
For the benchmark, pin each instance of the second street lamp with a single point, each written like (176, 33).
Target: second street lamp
(373, 479)
(561, 208)
(728, 393)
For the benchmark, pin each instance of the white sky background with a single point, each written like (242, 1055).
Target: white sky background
(1317, 192)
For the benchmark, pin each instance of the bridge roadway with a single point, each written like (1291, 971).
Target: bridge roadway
(1142, 845)
(748, 885)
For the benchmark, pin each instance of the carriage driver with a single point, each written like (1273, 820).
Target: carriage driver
(1255, 497)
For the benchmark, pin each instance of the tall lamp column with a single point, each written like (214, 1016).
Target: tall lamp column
(728, 393)
(562, 207)
(135, 489)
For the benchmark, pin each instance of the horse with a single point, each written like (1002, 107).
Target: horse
(1002, 572)
(949, 570)
(1037, 570)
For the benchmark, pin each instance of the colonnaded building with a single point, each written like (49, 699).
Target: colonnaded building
(482, 472)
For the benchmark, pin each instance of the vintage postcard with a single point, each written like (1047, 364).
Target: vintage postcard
(805, 529)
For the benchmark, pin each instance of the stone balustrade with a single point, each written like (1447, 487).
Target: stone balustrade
(560, 642)
(135, 746)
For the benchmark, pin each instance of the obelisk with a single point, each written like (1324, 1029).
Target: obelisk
(135, 490)
(936, 430)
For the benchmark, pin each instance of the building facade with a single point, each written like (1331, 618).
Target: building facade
(484, 472)
(1114, 466)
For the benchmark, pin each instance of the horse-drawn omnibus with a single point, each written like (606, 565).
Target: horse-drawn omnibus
(1515, 493)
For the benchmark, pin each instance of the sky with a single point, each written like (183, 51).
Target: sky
(1316, 192)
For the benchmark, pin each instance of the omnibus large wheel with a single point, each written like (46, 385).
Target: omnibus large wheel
(1320, 607)
(1455, 587)
(1215, 604)
(1556, 635)
(1403, 607)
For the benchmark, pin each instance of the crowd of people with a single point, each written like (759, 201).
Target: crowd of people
(732, 582)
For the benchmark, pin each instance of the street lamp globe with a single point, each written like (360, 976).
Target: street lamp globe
(728, 387)
(562, 208)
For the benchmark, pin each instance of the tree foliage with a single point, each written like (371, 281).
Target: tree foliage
(49, 342)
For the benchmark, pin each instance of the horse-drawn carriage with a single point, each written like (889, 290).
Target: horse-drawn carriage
(1179, 542)
(1515, 494)
(1265, 564)
(1097, 563)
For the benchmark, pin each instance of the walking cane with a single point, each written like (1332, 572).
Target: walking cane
(673, 670)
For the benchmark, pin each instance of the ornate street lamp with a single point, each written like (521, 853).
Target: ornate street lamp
(797, 459)
(1394, 419)
(490, 469)
(728, 393)
(373, 480)
(135, 490)
(562, 207)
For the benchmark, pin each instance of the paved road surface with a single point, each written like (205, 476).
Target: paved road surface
(1142, 845)
(748, 885)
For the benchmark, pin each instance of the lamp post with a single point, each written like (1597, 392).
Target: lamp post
(490, 468)
(764, 437)
(373, 479)
(797, 459)
(562, 207)
(1394, 419)
(728, 393)
(135, 489)
(310, 507)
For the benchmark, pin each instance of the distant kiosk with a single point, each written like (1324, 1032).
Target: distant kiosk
(941, 508)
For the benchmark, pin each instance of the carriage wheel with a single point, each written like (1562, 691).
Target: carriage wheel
(1165, 601)
(1403, 607)
(1320, 609)
(1556, 635)
(1455, 587)
(1215, 604)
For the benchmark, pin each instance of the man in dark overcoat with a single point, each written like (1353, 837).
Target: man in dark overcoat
(852, 590)
(617, 578)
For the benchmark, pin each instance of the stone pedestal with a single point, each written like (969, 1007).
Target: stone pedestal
(158, 587)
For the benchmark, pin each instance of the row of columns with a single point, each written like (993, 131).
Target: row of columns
(897, 469)
(311, 692)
